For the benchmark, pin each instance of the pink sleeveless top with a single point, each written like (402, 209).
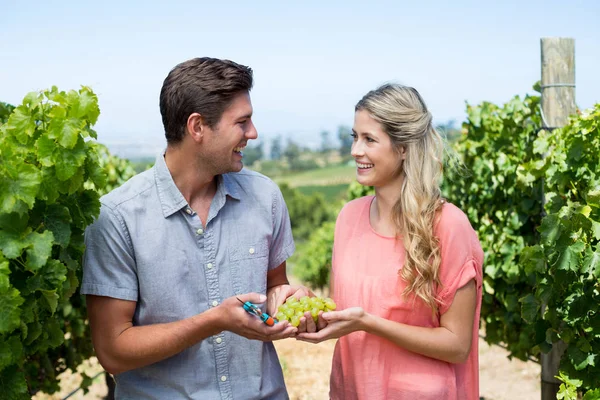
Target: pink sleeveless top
(365, 273)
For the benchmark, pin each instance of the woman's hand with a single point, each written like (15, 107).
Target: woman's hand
(338, 324)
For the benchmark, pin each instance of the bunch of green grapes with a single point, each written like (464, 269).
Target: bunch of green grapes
(294, 308)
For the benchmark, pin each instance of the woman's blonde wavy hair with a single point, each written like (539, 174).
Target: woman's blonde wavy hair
(405, 118)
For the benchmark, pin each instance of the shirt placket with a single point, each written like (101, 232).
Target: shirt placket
(206, 242)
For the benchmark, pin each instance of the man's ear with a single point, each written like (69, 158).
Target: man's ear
(196, 127)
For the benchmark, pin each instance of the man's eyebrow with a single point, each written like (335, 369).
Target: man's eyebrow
(245, 116)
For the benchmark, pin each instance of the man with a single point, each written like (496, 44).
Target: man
(175, 246)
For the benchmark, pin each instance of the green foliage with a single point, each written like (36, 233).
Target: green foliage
(356, 190)
(117, 170)
(314, 264)
(534, 198)
(505, 208)
(299, 164)
(331, 193)
(5, 110)
(142, 164)
(51, 178)
(253, 153)
(570, 244)
(46, 160)
(307, 213)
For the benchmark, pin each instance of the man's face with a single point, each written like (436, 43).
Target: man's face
(225, 142)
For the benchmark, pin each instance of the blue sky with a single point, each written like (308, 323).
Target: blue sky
(312, 61)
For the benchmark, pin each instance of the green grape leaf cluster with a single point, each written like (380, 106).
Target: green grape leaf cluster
(570, 246)
(504, 203)
(293, 309)
(533, 195)
(50, 168)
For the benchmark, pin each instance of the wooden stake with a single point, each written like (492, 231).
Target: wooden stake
(558, 103)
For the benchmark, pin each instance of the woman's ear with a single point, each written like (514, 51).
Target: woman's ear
(402, 151)
(196, 127)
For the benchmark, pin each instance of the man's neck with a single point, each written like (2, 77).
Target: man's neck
(195, 183)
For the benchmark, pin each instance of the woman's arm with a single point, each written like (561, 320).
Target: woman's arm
(451, 342)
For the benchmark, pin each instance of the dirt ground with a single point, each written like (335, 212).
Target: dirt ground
(306, 369)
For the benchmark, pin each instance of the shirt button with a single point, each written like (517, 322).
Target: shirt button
(251, 250)
(187, 210)
(215, 303)
(209, 265)
(199, 231)
(218, 340)
(223, 378)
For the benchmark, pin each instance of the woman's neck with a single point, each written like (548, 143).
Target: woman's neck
(382, 208)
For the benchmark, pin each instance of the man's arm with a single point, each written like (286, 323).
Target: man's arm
(121, 346)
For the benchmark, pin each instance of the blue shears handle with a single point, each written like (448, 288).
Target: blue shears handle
(254, 310)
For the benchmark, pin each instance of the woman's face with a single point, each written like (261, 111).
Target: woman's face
(377, 161)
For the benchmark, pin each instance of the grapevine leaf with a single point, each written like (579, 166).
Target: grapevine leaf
(569, 258)
(51, 299)
(11, 351)
(4, 274)
(533, 259)
(592, 395)
(45, 148)
(11, 244)
(530, 308)
(84, 105)
(56, 336)
(65, 131)
(10, 300)
(54, 273)
(49, 190)
(13, 385)
(550, 229)
(40, 250)
(34, 330)
(69, 161)
(21, 184)
(578, 358)
(596, 229)
(21, 124)
(58, 220)
(591, 262)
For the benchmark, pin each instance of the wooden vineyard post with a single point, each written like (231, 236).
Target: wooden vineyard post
(558, 103)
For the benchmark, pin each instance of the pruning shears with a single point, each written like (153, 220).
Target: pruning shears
(254, 310)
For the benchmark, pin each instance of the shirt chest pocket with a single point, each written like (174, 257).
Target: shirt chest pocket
(249, 263)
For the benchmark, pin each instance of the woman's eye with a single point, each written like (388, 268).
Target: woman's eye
(354, 136)
(370, 140)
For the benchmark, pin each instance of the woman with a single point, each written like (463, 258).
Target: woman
(407, 266)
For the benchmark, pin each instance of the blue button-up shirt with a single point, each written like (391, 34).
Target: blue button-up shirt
(149, 246)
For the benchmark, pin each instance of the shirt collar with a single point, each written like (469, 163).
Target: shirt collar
(172, 200)
(230, 188)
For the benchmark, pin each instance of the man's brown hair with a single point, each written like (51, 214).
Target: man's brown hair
(200, 85)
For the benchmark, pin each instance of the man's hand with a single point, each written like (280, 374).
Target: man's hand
(237, 320)
(277, 295)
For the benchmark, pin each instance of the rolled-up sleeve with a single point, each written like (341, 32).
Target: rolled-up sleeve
(109, 267)
(282, 245)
